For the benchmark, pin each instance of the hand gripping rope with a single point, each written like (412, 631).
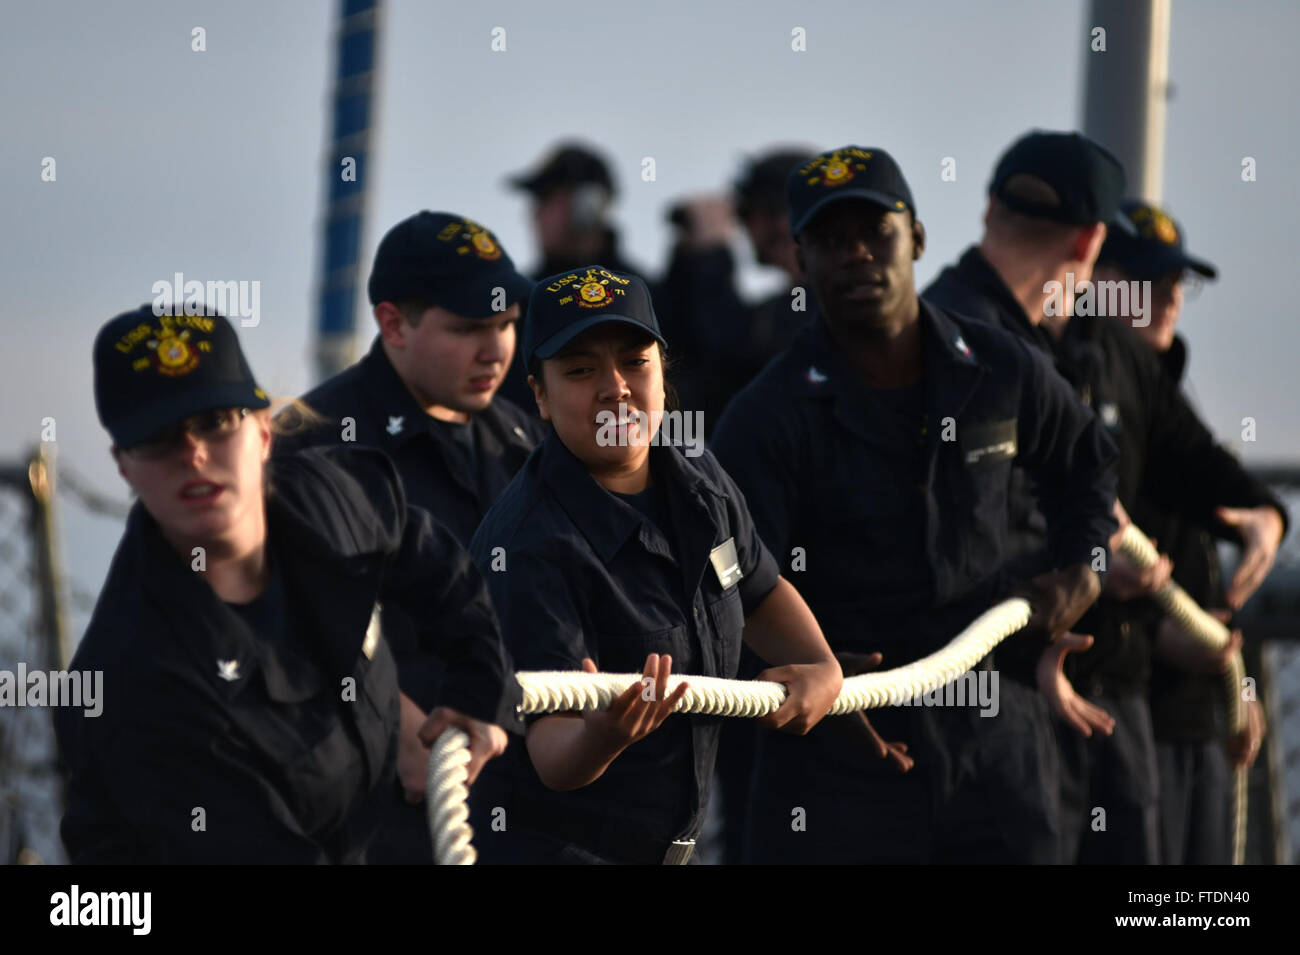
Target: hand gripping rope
(552, 692)
(1176, 602)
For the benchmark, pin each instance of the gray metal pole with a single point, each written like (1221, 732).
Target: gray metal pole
(1126, 88)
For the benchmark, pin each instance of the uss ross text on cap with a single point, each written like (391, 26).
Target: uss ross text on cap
(152, 371)
(565, 305)
(850, 172)
(449, 261)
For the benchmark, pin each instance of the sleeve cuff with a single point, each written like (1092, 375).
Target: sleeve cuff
(759, 582)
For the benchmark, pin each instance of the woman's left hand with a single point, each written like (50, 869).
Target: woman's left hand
(486, 741)
(811, 690)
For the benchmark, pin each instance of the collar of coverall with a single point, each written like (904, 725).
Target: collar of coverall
(585, 501)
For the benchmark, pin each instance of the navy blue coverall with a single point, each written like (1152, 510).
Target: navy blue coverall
(452, 470)
(577, 571)
(890, 509)
(1164, 447)
(281, 726)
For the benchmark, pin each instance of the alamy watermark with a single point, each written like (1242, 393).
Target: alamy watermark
(1114, 299)
(972, 688)
(626, 428)
(73, 688)
(130, 909)
(242, 300)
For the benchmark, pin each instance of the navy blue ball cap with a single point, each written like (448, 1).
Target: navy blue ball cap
(850, 172)
(447, 260)
(152, 371)
(1088, 181)
(1145, 242)
(762, 181)
(569, 164)
(566, 304)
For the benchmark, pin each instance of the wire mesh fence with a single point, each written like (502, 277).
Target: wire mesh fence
(1273, 617)
(1281, 667)
(30, 783)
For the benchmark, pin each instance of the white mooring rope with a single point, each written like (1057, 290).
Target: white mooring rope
(445, 799)
(1179, 605)
(552, 692)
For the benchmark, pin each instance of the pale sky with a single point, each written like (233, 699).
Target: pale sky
(211, 163)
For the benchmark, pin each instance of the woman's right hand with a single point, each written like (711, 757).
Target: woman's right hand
(569, 752)
(640, 709)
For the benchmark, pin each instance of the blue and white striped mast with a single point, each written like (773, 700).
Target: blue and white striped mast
(348, 170)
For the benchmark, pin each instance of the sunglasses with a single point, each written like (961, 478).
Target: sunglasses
(209, 426)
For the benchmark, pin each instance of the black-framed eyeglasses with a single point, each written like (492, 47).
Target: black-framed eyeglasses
(210, 426)
(1192, 283)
